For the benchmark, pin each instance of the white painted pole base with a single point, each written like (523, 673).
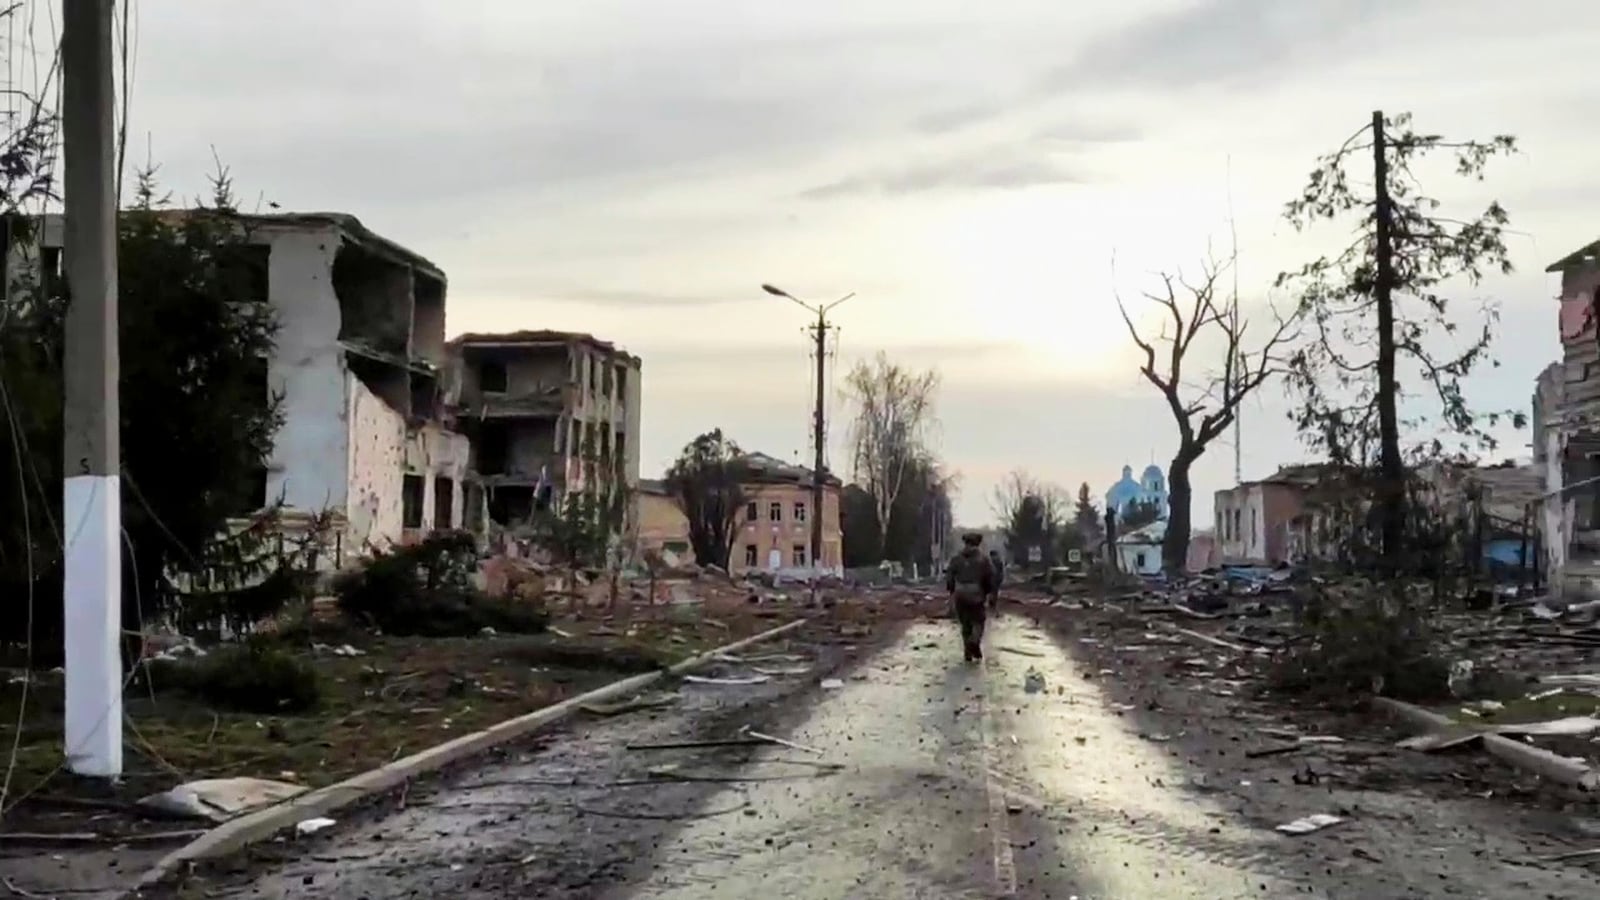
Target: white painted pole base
(92, 529)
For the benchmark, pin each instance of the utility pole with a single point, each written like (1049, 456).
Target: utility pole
(819, 432)
(1238, 366)
(91, 493)
(819, 421)
(1392, 477)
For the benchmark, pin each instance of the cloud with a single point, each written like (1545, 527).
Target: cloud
(637, 299)
(994, 169)
(1239, 42)
(717, 359)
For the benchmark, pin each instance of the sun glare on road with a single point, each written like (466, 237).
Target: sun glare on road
(1131, 819)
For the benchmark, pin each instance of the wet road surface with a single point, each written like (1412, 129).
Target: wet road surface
(918, 776)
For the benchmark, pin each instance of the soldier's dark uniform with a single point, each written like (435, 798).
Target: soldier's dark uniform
(970, 579)
(999, 578)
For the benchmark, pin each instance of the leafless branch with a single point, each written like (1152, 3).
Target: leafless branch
(1193, 308)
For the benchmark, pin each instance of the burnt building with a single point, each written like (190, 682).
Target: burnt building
(548, 412)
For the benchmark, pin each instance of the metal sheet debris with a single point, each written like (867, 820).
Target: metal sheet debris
(1309, 824)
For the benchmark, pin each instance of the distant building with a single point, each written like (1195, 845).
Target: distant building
(1256, 520)
(1139, 551)
(773, 531)
(1151, 488)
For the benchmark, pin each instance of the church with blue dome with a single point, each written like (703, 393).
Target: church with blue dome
(1150, 488)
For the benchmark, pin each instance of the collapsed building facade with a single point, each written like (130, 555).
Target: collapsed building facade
(548, 413)
(1566, 435)
(357, 361)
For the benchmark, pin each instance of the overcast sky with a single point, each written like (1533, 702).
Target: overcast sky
(636, 169)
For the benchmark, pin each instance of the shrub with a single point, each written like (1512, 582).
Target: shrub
(510, 615)
(1373, 645)
(254, 677)
(427, 590)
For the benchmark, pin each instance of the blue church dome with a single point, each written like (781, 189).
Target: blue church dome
(1151, 488)
(1124, 492)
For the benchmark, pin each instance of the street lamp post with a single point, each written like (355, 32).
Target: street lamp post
(819, 425)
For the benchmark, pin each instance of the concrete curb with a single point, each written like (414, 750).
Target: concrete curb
(236, 834)
(1522, 756)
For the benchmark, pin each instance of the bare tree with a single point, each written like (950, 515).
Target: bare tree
(1203, 409)
(1032, 513)
(888, 436)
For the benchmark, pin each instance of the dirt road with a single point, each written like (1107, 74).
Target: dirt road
(1027, 776)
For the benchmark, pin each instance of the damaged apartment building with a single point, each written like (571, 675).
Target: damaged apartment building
(1566, 435)
(548, 412)
(358, 360)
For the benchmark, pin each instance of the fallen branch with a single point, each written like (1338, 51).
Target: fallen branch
(1534, 759)
(94, 837)
(699, 745)
(1570, 855)
(781, 742)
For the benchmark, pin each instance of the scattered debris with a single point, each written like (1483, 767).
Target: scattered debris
(832, 684)
(751, 741)
(1021, 652)
(1310, 823)
(219, 799)
(1033, 682)
(726, 681)
(633, 704)
(307, 827)
(780, 741)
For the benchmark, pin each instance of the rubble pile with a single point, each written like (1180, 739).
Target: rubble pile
(1521, 665)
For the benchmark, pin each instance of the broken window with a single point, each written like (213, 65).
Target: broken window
(245, 270)
(472, 503)
(1138, 559)
(799, 554)
(775, 511)
(493, 447)
(492, 376)
(424, 396)
(510, 504)
(427, 316)
(411, 491)
(375, 299)
(799, 511)
(252, 495)
(751, 512)
(444, 490)
(750, 554)
(389, 381)
(51, 274)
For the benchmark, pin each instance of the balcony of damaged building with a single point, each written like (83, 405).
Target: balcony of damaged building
(391, 332)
